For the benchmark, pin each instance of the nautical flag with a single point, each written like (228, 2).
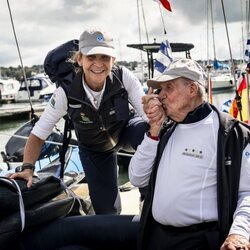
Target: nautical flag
(247, 50)
(165, 4)
(243, 93)
(163, 57)
(226, 106)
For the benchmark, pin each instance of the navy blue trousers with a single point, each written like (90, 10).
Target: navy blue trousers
(91, 232)
(101, 168)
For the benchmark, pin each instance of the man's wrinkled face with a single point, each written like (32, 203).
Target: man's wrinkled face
(175, 96)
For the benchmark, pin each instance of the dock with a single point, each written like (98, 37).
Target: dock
(130, 197)
(20, 109)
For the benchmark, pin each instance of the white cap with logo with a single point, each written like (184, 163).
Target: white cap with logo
(96, 41)
(187, 68)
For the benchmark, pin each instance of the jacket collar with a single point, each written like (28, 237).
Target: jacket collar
(198, 114)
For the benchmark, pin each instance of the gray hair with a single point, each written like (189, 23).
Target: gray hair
(201, 93)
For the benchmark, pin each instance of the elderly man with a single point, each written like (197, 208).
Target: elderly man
(196, 164)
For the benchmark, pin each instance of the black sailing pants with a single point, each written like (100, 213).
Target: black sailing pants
(101, 168)
(92, 232)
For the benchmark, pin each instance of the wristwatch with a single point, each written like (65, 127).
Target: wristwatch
(25, 166)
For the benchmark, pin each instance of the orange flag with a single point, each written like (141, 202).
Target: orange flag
(243, 93)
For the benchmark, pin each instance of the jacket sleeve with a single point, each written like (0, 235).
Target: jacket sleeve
(135, 91)
(141, 163)
(54, 111)
(241, 223)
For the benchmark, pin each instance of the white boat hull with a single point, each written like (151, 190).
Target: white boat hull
(220, 82)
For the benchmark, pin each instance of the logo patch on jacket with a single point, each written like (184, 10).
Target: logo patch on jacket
(84, 119)
(52, 101)
(193, 153)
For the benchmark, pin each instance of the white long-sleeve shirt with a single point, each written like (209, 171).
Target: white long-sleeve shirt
(57, 106)
(185, 187)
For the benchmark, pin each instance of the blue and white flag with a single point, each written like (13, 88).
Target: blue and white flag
(226, 106)
(247, 50)
(163, 57)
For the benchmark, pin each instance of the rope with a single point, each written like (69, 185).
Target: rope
(26, 138)
(21, 204)
(58, 143)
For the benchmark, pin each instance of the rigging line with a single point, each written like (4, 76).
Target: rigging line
(57, 143)
(212, 22)
(20, 57)
(26, 138)
(144, 20)
(238, 98)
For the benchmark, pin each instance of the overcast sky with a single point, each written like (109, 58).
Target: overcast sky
(41, 25)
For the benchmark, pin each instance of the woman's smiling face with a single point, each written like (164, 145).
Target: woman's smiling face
(96, 68)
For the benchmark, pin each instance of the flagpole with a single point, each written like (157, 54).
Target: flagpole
(163, 23)
(238, 98)
(248, 65)
(209, 84)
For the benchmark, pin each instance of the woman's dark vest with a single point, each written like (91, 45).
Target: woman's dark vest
(233, 137)
(99, 129)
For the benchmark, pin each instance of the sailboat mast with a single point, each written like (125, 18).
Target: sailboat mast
(212, 22)
(208, 60)
(242, 33)
(21, 61)
(238, 98)
(144, 21)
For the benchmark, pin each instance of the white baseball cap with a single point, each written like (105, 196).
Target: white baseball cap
(96, 41)
(187, 68)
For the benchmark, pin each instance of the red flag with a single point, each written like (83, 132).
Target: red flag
(243, 93)
(165, 4)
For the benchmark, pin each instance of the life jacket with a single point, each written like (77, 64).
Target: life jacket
(99, 129)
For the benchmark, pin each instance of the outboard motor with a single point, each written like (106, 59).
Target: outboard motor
(14, 148)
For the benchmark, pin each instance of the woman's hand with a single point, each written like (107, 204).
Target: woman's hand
(26, 174)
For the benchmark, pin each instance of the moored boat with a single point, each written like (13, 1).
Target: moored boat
(222, 81)
(40, 88)
(8, 90)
